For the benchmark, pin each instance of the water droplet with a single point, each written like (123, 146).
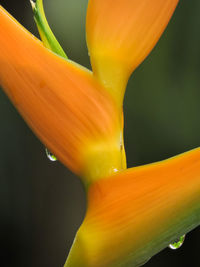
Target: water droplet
(177, 243)
(50, 155)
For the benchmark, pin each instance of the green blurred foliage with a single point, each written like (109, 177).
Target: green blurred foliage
(41, 203)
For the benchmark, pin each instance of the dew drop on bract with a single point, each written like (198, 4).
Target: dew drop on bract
(50, 156)
(177, 243)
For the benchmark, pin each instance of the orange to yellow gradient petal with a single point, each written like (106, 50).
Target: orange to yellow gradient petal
(136, 213)
(120, 35)
(61, 101)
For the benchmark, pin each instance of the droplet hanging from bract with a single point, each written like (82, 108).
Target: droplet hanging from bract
(177, 243)
(50, 156)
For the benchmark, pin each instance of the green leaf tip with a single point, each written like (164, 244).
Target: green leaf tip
(48, 38)
(32, 4)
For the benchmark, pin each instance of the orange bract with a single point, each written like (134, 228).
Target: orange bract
(136, 213)
(60, 100)
(120, 35)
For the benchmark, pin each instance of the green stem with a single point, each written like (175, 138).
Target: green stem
(46, 34)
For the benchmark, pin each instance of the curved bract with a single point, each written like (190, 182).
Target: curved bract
(134, 214)
(120, 35)
(60, 100)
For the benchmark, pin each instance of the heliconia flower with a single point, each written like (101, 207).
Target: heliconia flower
(132, 214)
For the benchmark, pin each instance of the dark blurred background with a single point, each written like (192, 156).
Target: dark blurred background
(41, 203)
